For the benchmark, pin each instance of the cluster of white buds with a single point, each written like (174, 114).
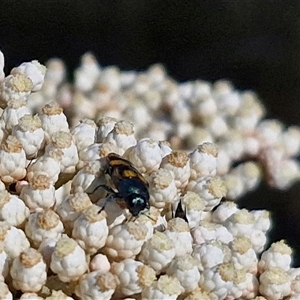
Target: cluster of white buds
(199, 146)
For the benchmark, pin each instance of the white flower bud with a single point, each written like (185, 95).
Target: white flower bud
(262, 220)
(31, 135)
(134, 276)
(194, 208)
(43, 224)
(106, 125)
(28, 271)
(186, 90)
(47, 165)
(251, 146)
(224, 211)
(242, 223)
(13, 112)
(157, 74)
(62, 141)
(94, 152)
(56, 71)
(82, 106)
(122, 136)
(211, 190)
(68, 260)
(158, 131)
(183, 131)
(71, 207)
(218, 281)
(181, 112)
(198, 136)
(127, 78)
(211, 254)
(200, 89)
(14, 239)
(207, 231)
(141, 84)
(138, 113)
(158, 252)
(235, 186)
(12, 209)
(125, 240)
(275, 284)
(14, 87)
(178, 163)
(269, 132)
(84, 134)
(250, 172)
(96, 286)
(233, 144)
(36, 100)
(291, 141)
(53, 119)
(87, 73)
(184, 268)
(178, 231)
(204, 108)
(249, 113)
(4, 291)
(166, 287)
(223, 162)
(251, 289)
(227, 99)
(146, 155)
(217, 126)
(277, 256)
(33, 70)
(203, 161)
(162, 188)
(283, 174)
(12, 160)
(90, 229)
(89, 179)
(240, 284)
(243, 255)
(39, 193)
(110, 78)
(100, 263)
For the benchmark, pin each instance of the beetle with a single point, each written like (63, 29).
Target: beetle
(130, 184)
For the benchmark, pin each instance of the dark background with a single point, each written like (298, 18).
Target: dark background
(255, 44)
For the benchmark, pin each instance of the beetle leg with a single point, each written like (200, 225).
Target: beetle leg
(109, 198)
(103, 186)
(107, 188)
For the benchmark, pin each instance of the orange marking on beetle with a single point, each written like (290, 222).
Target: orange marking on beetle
(116, 162)
(129, 173)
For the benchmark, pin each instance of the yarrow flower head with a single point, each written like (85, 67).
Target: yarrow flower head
(125, 184)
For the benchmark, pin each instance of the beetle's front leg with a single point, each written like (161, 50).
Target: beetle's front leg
(103, 186)
(109, 198)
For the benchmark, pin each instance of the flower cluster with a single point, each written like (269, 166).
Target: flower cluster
(57, 243)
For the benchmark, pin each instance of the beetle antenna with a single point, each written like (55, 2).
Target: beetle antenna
(147, 215)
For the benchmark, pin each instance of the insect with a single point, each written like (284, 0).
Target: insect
(180, 213)
(131, 186)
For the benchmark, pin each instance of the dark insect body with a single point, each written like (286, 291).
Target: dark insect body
(180, 213)
(131, 186)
